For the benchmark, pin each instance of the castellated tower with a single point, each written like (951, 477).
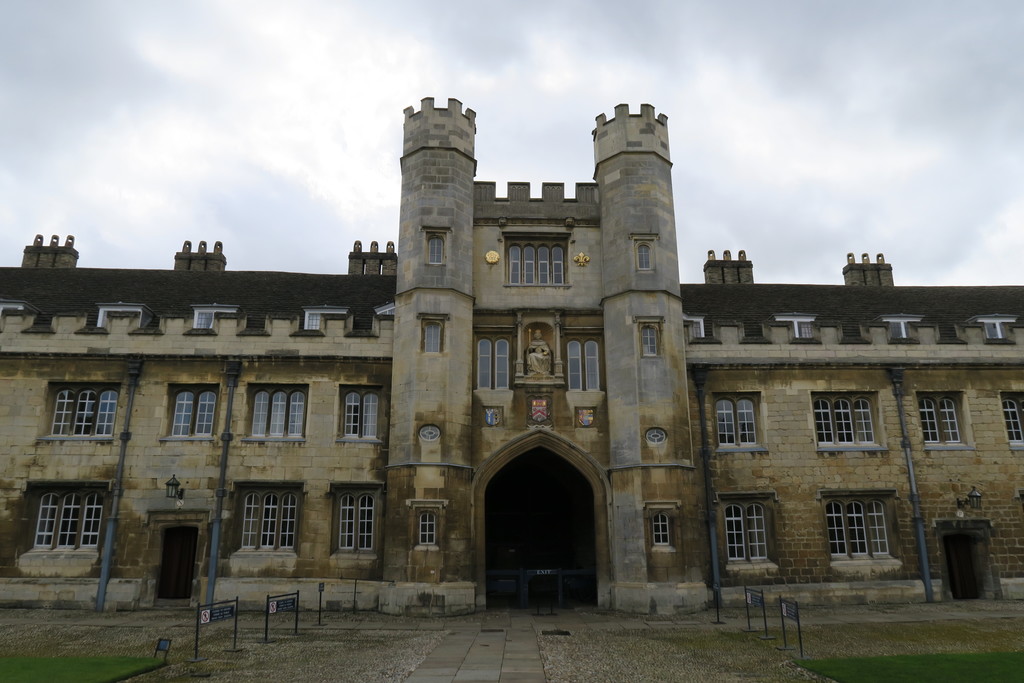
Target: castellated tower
(430, 441)
(643, 326)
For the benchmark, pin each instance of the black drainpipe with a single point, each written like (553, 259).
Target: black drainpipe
(233, 370)
(700, 377)
(896, 376)
(134, 370)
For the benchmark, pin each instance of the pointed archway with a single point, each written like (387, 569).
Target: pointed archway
(541, 504)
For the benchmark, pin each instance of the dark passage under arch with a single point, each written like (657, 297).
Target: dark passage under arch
(539, 514)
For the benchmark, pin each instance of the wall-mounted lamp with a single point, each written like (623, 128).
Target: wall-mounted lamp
(174, 489)
(973, 500)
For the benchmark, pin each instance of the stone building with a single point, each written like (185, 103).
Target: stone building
(521, 398)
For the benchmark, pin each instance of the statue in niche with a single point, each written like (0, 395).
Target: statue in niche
(538, 355)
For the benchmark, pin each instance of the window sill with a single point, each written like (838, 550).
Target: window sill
(429, 547)
(201, 331)
(1016, 446)
(864, 566)
(179, 439)
(752, 566)
(273, 439)
(851, 449)
(663, 549)
(97, 439)
(741, 449)
(947, 447)
(350, 554)
(534, 285)
(356, 439)
(266, 552)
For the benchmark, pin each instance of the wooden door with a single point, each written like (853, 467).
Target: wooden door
(178, 565)
(963, 582)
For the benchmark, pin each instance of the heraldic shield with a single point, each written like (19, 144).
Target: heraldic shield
(540, 409)
(492, 416)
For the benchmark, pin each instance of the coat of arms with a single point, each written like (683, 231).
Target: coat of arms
(492, 416)
(540, 409)
(585, 416)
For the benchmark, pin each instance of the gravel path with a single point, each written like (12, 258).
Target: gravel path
(582, 646)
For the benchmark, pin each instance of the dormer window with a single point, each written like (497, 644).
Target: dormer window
(206, 314)
(994, 325)
(899, 327)
(696, 325)
(145, 315)
(801, 325)
(386, 309)
(313, 319)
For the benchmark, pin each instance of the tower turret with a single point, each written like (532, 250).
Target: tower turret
(431, 437)
(643, 332)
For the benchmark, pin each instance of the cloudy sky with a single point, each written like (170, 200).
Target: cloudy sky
(800, 130)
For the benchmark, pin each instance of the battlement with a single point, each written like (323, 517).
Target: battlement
(552, 202)
(440, 127)
(625, 132)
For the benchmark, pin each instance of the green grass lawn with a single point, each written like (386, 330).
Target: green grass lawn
(991, 667)
(73, 669)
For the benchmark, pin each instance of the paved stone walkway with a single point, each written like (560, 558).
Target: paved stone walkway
(485, 652)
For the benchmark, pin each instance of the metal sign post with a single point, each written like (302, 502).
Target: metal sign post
(755, 598)
(320, 605)
(789, 609)
(213, 612)
(285, 602)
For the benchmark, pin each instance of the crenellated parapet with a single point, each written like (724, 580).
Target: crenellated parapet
(643, 132)
(442, 128)
(551, 204)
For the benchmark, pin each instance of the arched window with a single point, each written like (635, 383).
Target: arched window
(745, 532)
(649, 340)
(514, 264)
(193, 413)
(278, 413)
(843, 420)
(536, 264)
(435, 250)
(591, 365)
(643, 256)
(432, 338)
(575, 362)
(355, 523)
(492, 364)
(939, 423)
(85, 411)
(1013, 415)
(69, 520)
(856, 528)
(269, 520)
(361, 409)
(661, 529)
(736, 422)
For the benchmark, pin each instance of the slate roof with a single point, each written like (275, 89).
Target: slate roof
(847, 304)
(171, 293)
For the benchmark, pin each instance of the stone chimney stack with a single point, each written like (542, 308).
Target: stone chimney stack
(372, 262)
(186, 259)
(867, 274)
(725, 271)
(38, 255)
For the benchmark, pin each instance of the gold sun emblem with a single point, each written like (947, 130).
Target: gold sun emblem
(491, 257)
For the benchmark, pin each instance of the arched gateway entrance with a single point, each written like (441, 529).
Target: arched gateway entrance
(541, 513)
